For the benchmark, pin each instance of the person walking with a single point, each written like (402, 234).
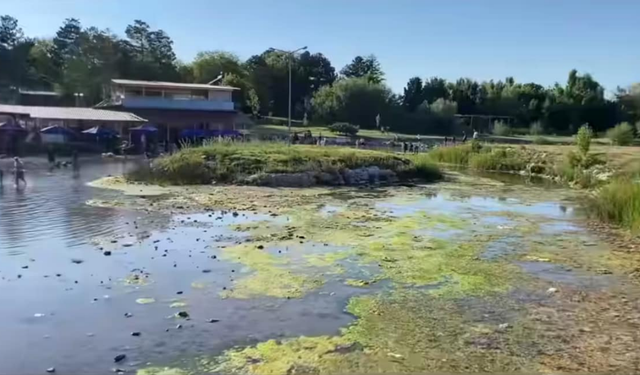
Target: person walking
(18, 168)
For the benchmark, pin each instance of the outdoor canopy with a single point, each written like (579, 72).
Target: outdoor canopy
(147, 128)
(11, 126)
(101, 131)
(59, 130)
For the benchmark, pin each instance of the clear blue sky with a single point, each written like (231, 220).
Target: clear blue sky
(536, 41)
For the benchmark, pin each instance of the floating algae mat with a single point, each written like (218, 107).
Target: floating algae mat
(444, 281)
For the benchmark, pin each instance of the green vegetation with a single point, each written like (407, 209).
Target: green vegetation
(542, 141)
(344, 128)
(621, 135)
(231, 162)
(478, 157)
(84, 59)
(618, 203)
(536, 128)
(458, 155)
(499, 159)
(583, 139)
(501, 128)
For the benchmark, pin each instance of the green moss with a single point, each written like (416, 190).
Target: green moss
(160, 371)
(406, 332)
(268, 278)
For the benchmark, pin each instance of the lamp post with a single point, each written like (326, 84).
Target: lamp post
(290, 53)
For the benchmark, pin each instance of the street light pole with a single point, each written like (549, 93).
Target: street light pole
(290, 57)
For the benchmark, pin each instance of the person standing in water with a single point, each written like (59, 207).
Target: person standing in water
(75, 163)
(18, 168)
(51, 157)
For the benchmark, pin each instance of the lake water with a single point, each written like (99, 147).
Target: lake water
(67, 305)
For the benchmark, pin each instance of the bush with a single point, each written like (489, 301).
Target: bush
(583, 138)
(496, 160)
(536, 128)
(344, 128)
(424, 168)
(501, 128)
(618, 203)
(621, 135)
(452, 155)
(542, 141)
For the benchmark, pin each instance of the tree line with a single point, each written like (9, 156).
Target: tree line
(81, 59)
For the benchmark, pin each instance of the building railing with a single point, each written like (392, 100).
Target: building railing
(165, 103)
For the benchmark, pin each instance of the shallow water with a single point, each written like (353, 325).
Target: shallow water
(64, 302)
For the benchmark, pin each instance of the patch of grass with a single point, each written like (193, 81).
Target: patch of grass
(230, 162)
(497, 160)
(621, 134)
(542, 141)
(501, 129)
(618, 203)
(458, 155)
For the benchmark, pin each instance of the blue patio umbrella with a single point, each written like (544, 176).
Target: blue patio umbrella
(101, 132)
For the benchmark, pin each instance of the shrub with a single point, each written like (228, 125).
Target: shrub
(452, 155)
(542, 141)
(501, 128)
(344, 128)
(536, 128)
(621, 134)
(618, 203)
(496, 160)
(583, 138)
(424, 168)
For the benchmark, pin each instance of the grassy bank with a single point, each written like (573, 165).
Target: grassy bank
(482, 158)
(232, 162)
(618, 203)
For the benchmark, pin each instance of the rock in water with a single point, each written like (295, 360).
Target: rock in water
(51, 369)
(107, 253)
(119, 357)
(182, 314)
(213, 320)
(135, 334)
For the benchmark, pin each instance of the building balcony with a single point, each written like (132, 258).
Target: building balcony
(177, 104)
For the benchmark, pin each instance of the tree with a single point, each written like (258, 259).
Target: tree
(148, 54)
(412, 97)
(354, 100)
(15, 70)
(444, 108)
(434, 89)
(208, 65)
(10, 33)
(367, 66)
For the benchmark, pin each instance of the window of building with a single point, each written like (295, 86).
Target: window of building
(199, 94)
(132, 91)
(178, 95)
(153, 93)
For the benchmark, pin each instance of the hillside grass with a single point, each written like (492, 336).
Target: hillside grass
(231, 162)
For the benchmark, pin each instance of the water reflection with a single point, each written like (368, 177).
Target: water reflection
(52, 206)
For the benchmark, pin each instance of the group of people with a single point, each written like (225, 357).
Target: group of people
(18, 172)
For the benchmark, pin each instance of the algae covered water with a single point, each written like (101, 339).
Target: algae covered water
(464, 276)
